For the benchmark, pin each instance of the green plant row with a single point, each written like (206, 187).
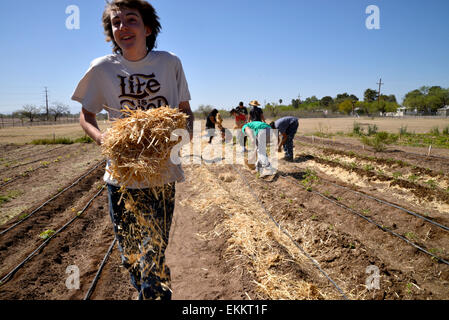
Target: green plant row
(84, 139)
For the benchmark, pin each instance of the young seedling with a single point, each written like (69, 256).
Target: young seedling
(410, 235)
(409, 288)
(366, 211)
(47, 234)
(432, 183)
(397, 174)
(23, 216)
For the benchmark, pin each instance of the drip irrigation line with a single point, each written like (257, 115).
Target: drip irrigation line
(97, 276)
(406, 152)
(31, 255)
(392, 205)
(24, 164)
(290, 237)
(375, 223)
(53, 198)
(26, 156)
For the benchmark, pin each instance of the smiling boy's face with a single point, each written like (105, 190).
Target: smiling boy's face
(130, 33)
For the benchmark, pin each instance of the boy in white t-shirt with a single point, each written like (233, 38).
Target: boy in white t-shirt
(137, 77)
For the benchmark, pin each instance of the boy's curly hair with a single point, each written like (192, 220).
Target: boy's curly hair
(146, 10)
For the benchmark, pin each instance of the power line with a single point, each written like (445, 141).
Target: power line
(378, 95)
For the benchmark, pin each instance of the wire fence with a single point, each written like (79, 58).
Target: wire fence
(7, 122)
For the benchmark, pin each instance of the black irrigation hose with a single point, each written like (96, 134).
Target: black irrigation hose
(97, 276)
(32, 154)
(393, 205)
(24, 164)
(53, 198)
(20, 265)
(290, 237)
(375, 223)
(406, 152)
(20, 176)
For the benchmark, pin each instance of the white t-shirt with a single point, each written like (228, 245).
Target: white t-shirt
(156, 80)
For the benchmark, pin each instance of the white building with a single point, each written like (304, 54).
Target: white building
(443, 112)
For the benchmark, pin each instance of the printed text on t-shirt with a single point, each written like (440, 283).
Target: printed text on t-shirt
(140, 91)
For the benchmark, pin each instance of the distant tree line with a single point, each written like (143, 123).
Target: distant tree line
(32, 112)
(426, 100)
(56, 111)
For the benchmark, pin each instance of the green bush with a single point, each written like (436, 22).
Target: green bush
(85, 139)
(357, 129)
(435, 131)
(380, 140)
(52, 141)
(372, 129)
(403, 131)
(446, 131)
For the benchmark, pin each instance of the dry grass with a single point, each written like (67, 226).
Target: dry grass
(254, 242)
(139, 145)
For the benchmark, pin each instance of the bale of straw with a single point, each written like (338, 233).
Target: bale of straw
(139, 145)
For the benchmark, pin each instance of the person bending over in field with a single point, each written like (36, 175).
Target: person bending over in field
(137, 76)
(214, 118)
(287, 128)
(259, 133)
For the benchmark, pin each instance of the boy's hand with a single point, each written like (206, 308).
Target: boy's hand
(101, 138)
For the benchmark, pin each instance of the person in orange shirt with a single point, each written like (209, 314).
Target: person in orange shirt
(241, 116)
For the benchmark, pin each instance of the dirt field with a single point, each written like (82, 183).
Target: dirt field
(22, 135)
(224, 243)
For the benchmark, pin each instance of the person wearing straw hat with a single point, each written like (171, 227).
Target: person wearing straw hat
(256, 113)
(136, 76)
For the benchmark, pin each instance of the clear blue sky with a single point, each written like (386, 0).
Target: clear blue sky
(236, 50)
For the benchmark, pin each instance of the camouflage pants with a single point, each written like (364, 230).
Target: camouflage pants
(142, 220)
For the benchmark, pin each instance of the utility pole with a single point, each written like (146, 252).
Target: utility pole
(46, 100)
(378, 94)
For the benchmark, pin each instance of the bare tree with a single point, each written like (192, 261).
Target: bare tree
(29, 111)
(58, 109)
